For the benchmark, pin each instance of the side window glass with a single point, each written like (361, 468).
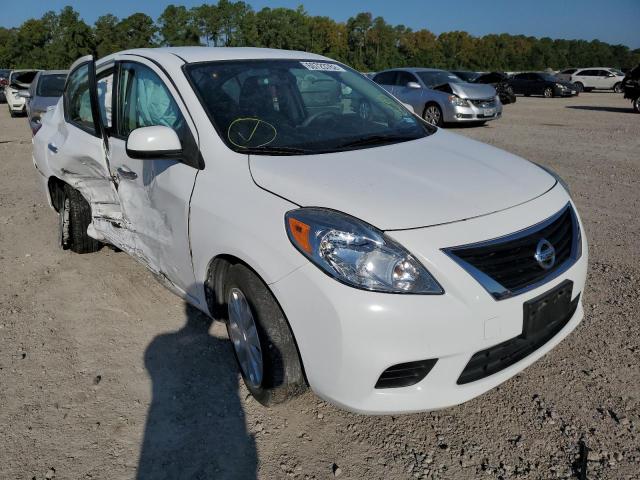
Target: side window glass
(77, 99)
(145, 101)
(386, 78)
(105, 89)
(404, 78)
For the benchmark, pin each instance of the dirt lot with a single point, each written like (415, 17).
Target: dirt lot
(105, 375)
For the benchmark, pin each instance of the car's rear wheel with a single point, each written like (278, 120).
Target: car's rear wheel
(262, 340)
(74, 214)
(617, 88)
(548, 92)
(432, 114)
(579, 86)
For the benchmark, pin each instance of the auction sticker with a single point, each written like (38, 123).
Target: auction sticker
(322, 66)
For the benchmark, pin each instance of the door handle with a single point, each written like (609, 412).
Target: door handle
(52, 147)
(126, 174)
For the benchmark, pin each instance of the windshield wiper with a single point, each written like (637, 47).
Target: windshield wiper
(267, 150)
(378, 140)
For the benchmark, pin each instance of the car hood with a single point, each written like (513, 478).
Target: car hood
(472, 90)
(439, 179)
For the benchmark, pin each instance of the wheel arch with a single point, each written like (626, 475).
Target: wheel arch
(217, 270)
(55, 187)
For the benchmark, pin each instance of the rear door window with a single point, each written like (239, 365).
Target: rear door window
(77, 100)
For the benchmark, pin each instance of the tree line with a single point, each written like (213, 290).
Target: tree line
(56, 40)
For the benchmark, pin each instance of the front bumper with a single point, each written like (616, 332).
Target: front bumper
(348, 337)
(454, 114)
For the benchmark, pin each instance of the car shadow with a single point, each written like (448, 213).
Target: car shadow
(195, 426)
(601, 109)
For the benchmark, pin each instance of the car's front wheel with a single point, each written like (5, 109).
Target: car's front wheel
(579, 86)
(262, 340)
(74, 214)
(636, 105)
(617, 88)
(548, 92)
(433, 114)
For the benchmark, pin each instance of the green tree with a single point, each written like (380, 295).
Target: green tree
(177, 27)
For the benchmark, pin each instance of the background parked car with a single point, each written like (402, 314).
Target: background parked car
(466, 76)
(631, 87)
(19, 80)
(44, 92)
(4, 80)
(441, 97)
(598, 77)
(538, 83)
(499, 81)
(565, 75)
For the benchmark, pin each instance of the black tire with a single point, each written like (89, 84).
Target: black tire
(527, 94)
(617, 88)
(548, 92)
(437, 111)
(579, 86)
(74, 207)
(636, 105)
(12, 114)
(282, 376)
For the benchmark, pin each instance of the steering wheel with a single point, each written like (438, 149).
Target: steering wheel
(312, 118)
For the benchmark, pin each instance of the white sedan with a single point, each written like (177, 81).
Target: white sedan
(351, 247)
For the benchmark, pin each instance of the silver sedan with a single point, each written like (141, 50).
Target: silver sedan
(441, 97)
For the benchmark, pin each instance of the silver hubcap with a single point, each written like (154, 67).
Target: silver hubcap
(432, 115)
(244, 336)
(548, 92)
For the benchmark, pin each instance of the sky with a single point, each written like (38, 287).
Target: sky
(612, 22)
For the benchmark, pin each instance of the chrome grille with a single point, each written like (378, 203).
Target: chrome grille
(484, 102)
(507, 266)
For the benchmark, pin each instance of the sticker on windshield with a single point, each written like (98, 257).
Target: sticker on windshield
(322, 66)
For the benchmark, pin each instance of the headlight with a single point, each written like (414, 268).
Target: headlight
(560, 86)
(556, 176)
(357, 254)
(457, 101)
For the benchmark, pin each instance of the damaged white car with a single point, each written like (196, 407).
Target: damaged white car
(350, 246)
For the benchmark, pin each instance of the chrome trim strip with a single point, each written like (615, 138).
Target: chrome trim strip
(500, 292)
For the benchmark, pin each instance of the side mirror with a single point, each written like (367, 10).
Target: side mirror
(413, 85)
(24, 94)
(153, 142)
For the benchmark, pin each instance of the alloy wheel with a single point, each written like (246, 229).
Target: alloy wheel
(548, 93)
(244, 336)
(432, 115)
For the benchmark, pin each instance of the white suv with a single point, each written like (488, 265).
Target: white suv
(588, 79)
(350, 246)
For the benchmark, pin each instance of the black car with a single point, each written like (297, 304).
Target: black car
(500, 82)
(631, 87)
(538, 83)
(466, 75)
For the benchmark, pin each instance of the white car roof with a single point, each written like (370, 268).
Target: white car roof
(206, 54)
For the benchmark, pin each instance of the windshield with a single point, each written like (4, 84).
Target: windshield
(467, 76)
(51, 85)
(294, 107)
(433, 79)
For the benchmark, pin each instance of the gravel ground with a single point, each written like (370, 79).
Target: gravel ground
(103, 373)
